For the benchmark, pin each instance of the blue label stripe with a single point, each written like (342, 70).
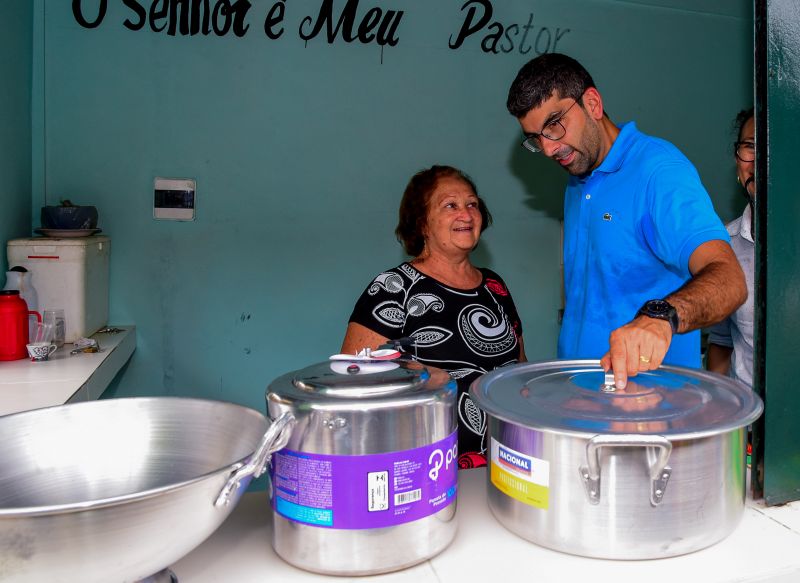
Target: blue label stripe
(514, 461)
(306, 514)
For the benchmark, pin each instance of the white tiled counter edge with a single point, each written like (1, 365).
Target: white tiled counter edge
(64, 378)
(764, 548)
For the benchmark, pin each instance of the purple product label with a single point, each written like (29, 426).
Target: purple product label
(365, 491)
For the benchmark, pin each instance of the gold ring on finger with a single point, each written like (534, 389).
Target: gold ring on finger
(644, 359)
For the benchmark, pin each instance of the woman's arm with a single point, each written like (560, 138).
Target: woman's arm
(719, 358)
(359, 337)
(522, 357)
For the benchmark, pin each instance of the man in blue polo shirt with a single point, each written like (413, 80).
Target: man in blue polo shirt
(647, 261)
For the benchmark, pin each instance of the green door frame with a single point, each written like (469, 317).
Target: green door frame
(776, 436)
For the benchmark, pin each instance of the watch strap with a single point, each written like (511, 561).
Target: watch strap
(660, 310)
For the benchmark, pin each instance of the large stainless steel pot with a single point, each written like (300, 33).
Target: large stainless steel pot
(367, 481)
(654, 470)
(117, 490)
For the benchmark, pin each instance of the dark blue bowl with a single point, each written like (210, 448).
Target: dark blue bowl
(69, 217)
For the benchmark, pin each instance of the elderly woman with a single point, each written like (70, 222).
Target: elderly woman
(461, 317)
(732, 339)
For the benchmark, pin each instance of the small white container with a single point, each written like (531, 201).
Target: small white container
(71, 274)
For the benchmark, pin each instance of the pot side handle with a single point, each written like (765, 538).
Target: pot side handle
(275, 439)
(657, 449)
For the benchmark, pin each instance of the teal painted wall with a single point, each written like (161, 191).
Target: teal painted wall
(16, 57)
(301, 151)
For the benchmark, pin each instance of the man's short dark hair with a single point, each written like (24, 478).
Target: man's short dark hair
(738, 123)
(540, 77)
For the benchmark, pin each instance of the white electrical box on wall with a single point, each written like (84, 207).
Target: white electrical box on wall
(173, 199)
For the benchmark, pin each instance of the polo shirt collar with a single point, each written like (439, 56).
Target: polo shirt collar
(616, 155)
(745, 229)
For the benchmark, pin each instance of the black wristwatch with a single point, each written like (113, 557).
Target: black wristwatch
(662, 310)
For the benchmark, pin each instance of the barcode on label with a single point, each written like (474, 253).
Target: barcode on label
(408, 497)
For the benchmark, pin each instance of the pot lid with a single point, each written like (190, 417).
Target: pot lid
(577, 397)
(360, 379)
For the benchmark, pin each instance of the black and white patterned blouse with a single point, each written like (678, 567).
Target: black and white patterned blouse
(465, 332)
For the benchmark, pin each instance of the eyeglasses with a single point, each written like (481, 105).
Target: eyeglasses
(745, 151)
(553, 130)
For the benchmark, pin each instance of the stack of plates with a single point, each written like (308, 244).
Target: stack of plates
(64, 233)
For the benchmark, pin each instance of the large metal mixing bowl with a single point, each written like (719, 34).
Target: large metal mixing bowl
(117, 490)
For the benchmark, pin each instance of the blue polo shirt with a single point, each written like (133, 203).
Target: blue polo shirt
(629, 229)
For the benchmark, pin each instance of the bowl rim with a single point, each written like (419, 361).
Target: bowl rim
(70, 507)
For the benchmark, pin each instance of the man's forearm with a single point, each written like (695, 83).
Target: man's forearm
(719, 358)
(710, 296)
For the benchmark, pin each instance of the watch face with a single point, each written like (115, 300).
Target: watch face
(658, 306)
(662, 310)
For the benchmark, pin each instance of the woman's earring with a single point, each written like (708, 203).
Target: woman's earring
(738, 180)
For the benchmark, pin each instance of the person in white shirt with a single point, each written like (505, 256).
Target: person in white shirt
(730, 343)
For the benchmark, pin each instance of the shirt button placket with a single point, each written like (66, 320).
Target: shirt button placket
(586, 211)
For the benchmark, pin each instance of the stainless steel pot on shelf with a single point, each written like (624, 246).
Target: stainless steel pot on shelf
(367, 481)
(117, 490)
(651, 471)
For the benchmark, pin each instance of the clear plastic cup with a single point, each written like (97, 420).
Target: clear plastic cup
(54, 324)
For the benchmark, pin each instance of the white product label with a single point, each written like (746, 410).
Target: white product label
(378, 491)
(530, 469)
(520, 476)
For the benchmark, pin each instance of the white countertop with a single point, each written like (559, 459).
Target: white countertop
(764, 548)
(64, 378)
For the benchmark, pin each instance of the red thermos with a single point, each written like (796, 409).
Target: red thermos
(14, 316)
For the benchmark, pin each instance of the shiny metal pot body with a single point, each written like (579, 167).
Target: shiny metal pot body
(117, 490)
(348, 421)
(650, 470)
(701, 504)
